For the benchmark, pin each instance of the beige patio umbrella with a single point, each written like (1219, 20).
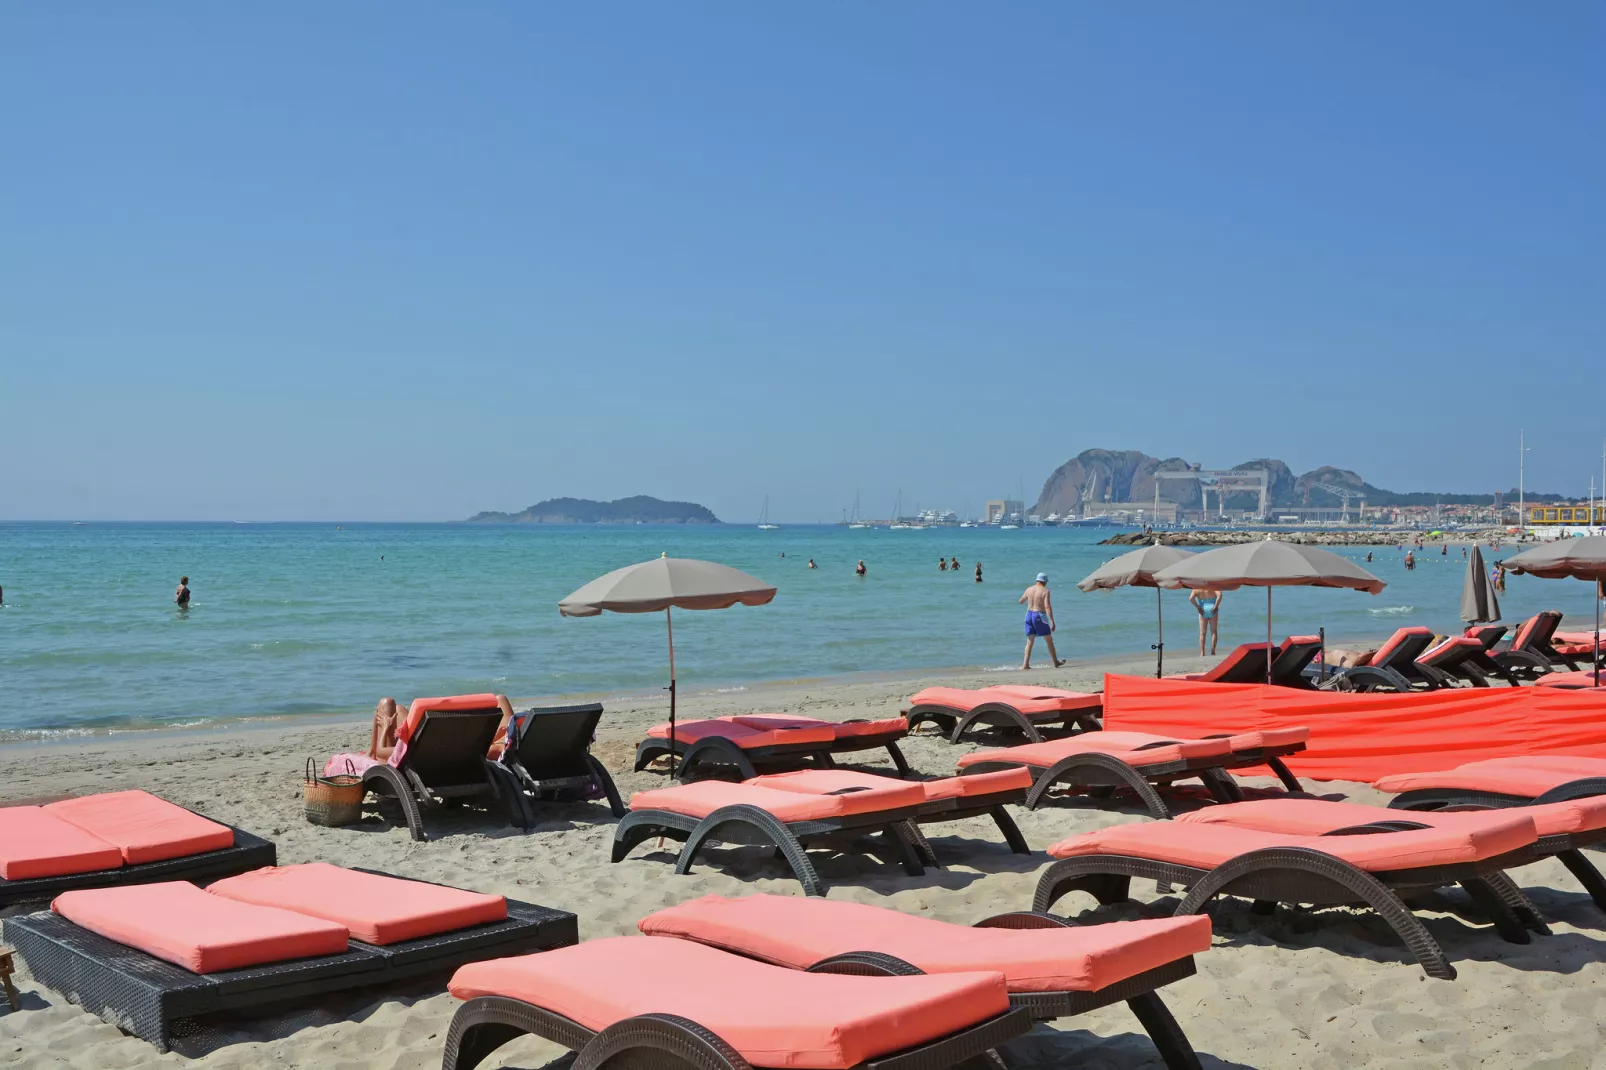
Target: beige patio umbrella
(1268, 564)
(663, 584)
(1137, 569)
(1579, 559)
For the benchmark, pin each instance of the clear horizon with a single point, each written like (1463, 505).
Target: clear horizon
(338, 264)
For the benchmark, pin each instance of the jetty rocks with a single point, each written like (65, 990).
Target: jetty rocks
(1308, 538)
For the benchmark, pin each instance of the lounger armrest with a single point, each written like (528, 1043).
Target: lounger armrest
(1023, 919)
(866, 964)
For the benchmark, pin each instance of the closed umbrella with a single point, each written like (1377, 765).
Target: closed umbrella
(663, 584)
(1478, 602)
(1268, 564)
(1137, 569)
(1578, 559)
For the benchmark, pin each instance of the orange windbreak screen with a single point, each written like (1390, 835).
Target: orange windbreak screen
(1363, 737)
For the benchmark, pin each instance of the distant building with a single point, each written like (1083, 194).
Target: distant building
(1002, 509)
(1166, 513)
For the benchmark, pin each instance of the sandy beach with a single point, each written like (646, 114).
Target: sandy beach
(1281, 991)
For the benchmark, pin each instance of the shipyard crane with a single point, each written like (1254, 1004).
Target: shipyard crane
(1343, 494)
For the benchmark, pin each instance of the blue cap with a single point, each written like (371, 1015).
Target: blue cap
(1042, 577)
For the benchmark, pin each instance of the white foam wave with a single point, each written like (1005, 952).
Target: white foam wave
(1391, 611)
(728, 690)
(1000, 668)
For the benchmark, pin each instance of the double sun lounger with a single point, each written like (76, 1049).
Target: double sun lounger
(955, 711)
(116, 838)
(790, 812)
(769, 981)
(755, 742)
(150, 958)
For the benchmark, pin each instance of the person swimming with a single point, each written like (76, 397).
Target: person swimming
(860, 569)
(812, 564)
(942, 564)
(953, 565)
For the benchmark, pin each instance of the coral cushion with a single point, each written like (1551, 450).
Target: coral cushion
(1523, 775)
(1579, 679)
(1022, 699)
(205, 933)
(376, 909)
(795, 932)
(450, 703)
(145, 828)
(1313, 817)
(1208, 846)
(773, 1017)
(705, 796)
(821, 781)
(1268, 739)
(744, 736)
(1122, 745)
(36, 843)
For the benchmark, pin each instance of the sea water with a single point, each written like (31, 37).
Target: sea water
(298, 619)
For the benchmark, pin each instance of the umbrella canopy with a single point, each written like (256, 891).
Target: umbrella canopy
(681, 582)
(1478, 602)
(1137, 569)
(1268, 564)
(662, 584)
(1578, 559)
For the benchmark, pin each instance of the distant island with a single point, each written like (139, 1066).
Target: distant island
(640, 509)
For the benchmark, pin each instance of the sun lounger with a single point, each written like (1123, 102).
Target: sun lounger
(789, 821)
(1101, 762)
(1532, 651)
(123, 837)
(1391, 667)
(757, 742)
(147, 958)
(957, 710)
(1371, 864)
(440, 759)
(1244, 664)
(1052, 969)
(1450, 662)
(638, 1001)
(948, 799)
(1571, 681)
(1512, 781)
(550, 757)
(1564, 828)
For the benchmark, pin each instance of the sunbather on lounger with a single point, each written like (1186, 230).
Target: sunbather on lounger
(389, 716)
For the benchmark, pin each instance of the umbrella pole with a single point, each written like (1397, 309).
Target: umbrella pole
(1268, 635)
(1597, 632)
(1159, 648)
(670, 624)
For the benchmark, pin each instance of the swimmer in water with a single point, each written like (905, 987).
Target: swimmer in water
(954, 565)
(181, 597)
(812, 564)
(942, 564)
(860, 570)
(978, 571)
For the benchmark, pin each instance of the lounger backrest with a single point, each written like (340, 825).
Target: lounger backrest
(1245, 665)
(1451, 652)
(1297, 652)
(421, 706)
(1403, 647)
(1487, 634)
(554, 740)
(448, 747)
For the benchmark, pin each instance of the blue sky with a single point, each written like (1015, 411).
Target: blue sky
(407, 261)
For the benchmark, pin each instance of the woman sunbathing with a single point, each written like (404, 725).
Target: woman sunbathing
(389, 716)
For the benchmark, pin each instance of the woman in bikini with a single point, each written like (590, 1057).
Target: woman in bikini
(1207, 603)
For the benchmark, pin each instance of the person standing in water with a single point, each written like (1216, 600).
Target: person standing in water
(1207, 603)
(953, 565)
(1410, 560)
(181, 597)
(860, 570)
(1039, 620)
(978, 571)
(812, 564)
(942, 564)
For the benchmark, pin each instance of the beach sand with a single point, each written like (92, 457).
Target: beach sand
(1280, 991)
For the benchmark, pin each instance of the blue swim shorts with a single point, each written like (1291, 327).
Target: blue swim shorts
(1036, 623)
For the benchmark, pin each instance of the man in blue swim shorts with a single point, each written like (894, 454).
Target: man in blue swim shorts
(1039, 620)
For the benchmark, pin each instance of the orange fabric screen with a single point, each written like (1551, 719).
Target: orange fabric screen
(1366, 736)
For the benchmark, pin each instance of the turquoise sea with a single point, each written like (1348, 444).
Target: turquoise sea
(295, 619)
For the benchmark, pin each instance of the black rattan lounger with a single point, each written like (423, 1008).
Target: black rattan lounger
(249, 852)
(445, 763)
(551, 754)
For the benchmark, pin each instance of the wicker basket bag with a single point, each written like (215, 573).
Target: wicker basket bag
(333, 800)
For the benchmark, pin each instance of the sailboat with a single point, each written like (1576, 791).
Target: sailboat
(855, 521)
(897, 524)
(764, 517)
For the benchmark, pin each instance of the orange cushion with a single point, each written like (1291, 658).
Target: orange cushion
(1581, 678)
(742, 735)
(773, 1017)
(1120, 745)
(421, 706)
(965, 787)
(377, 909)
(36, 843)
(1522, 775)
(766, 722)
(821, 781)
(1208, 846)
(1025, 700)
(1268, 738)
(205, 933)
(705, 796)
(790, 931)
(1313, 817)
(146, 828)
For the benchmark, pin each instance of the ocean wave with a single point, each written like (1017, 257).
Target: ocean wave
(728, 690)
(1000, 668)
(1391, 611)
